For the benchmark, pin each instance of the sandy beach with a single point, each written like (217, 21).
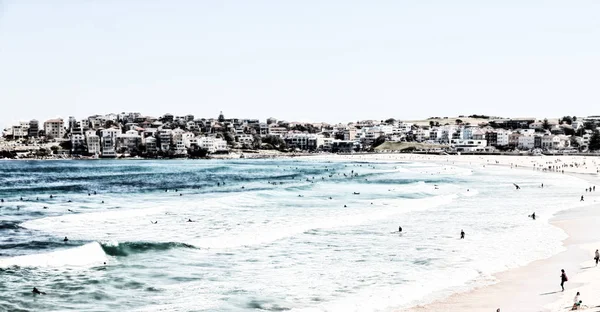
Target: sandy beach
(536, 286)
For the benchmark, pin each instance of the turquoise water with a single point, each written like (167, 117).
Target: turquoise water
(267, 235)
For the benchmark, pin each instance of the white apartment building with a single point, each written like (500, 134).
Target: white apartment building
(93, 142)
(150, 143)
(21, 130)
(164, 139)
(278, 131)
(550, 142)
(422, 135)
(212, 144)
(128, 140)
(502, 138)
(77, 141)
(110, 132)
(107, 144)
(468, 145)
(467, 133)
(54, 128)
(244, 138)
(526, 142)
(527, 131)
(349, 134)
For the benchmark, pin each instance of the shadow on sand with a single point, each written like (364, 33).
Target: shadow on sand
(550, 293)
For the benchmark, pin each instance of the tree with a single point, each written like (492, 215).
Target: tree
(229, 137)
(257, 142)
(574, 142)
(300, 128)
(546, 124)
(380, 140)
(431, 123)
(459, 121)
(568, 131)
(594, 141)
(196, 152)
(390, 121)
(567, 119)
(68, 145)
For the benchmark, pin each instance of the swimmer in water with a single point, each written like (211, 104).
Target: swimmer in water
(66, 239)
(35, 291)
(462, 234)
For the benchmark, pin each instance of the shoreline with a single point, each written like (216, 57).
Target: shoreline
(534, 286)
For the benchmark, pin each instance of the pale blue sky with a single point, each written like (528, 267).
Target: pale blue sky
(299, 60)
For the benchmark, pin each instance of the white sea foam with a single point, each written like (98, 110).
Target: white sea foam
(87, 255)
(310, 253)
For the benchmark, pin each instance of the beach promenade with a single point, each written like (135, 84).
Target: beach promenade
(536, 286)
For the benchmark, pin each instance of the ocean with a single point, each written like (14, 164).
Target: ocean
(266, 235)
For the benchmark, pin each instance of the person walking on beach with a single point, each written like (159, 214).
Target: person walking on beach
(597, 257)
(563, 279)
(581, 198)
(462, 234)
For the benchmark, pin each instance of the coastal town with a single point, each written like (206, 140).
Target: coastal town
(168, 136)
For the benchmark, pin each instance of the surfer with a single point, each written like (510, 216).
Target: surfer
(190, 220)
(533, 216)
(51, 196)
(155, 222)
(400, 229)
(36, 291)
(462, 234)
(516, 186)
(581, 198)
(69, 210)
(66, 239)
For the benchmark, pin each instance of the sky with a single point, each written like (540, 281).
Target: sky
(327, 60)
